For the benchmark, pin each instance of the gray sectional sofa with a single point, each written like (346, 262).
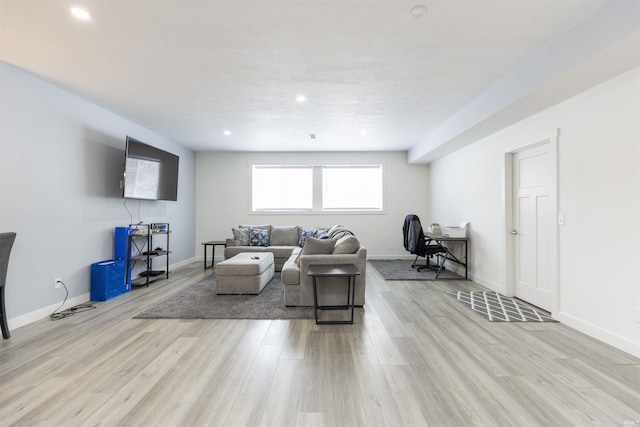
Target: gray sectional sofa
(295, 248)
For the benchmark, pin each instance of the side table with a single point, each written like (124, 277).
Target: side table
(212, 243)
(334, 270)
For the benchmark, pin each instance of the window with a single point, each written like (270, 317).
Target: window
(282, 188)
(352, 187)
(317, 188)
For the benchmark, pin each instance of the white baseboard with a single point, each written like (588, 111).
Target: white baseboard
(487, 283)
(43, 313)
(185, 262)
(598, 333)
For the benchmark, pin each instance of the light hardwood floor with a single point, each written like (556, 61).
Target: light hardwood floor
(415, 357)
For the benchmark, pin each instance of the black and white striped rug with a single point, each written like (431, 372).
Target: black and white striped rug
(498, 308)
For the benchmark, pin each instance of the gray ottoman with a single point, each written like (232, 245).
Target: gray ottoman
(245, 273)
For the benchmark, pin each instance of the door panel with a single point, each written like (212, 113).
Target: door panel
(533, 222)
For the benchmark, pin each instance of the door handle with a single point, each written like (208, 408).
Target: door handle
(514, 232)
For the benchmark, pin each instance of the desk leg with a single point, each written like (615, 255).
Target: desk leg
(466, 259)
(205, 256)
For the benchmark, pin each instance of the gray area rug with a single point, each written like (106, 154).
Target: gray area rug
(400, 269)
(200, 301)
(499, 308)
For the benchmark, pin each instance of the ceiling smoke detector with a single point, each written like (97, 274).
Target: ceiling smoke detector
(312, 136)
(418, 11)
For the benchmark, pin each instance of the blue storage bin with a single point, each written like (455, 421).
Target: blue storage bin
(121, 248)
(108, 279)
(121, 243)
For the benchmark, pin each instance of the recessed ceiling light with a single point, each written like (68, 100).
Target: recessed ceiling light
(363, 132)
(301, 98)
(80, 14)
(227, 132)
(418, 11)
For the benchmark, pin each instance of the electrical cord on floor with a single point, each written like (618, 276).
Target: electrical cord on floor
(57, 315)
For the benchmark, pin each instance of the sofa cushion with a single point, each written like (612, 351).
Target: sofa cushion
(231, 251)
(240, 236)
(346, 245)
(284, 235)
(258, 237)
(304, 233)
(280, 251)
(315, 246)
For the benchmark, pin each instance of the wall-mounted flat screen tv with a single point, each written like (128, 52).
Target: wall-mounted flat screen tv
(149, 172)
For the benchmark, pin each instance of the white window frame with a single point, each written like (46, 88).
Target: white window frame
(317, 190)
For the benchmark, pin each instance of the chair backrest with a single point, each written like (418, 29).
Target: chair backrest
(6, 243)
(414, 235)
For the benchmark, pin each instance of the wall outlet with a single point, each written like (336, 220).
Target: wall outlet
(57, 283)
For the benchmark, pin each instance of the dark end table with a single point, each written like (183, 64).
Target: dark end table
(213, 243)
(334, 270)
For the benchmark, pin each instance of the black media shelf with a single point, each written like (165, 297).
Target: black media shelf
(149, 242)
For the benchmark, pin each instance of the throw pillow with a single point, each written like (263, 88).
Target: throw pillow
(259, 237)
(341, 234)
(261, 227)
(284, 235)
(347, 245)
(315, 246)
(240, 236)
(304, 234)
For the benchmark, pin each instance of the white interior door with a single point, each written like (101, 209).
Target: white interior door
(534, 225)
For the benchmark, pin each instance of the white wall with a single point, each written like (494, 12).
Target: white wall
(223, 194)
(598, 191)
(61, 161)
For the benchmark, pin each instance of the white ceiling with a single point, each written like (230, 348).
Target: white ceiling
(190, 69)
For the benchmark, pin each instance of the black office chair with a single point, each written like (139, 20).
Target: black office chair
(6, 243)
(416, 243)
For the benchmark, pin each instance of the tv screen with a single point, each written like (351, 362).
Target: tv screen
(149, 172)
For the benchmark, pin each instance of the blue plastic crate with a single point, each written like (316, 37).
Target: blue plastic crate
(108, 280)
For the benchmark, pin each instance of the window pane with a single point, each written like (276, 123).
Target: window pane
(352, 187)
(282, 188)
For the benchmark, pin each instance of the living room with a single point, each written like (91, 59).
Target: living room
(58, 208)
(61, 163)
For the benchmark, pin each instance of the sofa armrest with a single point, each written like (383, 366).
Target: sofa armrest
(230, 242)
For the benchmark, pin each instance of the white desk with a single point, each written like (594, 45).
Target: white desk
(440, 238)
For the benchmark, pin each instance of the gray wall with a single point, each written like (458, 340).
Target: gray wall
(223, 194)
(60, 164)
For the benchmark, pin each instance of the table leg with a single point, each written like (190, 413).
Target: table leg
(315, 298)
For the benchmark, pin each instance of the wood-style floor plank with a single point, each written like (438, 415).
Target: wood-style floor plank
(414, 357)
